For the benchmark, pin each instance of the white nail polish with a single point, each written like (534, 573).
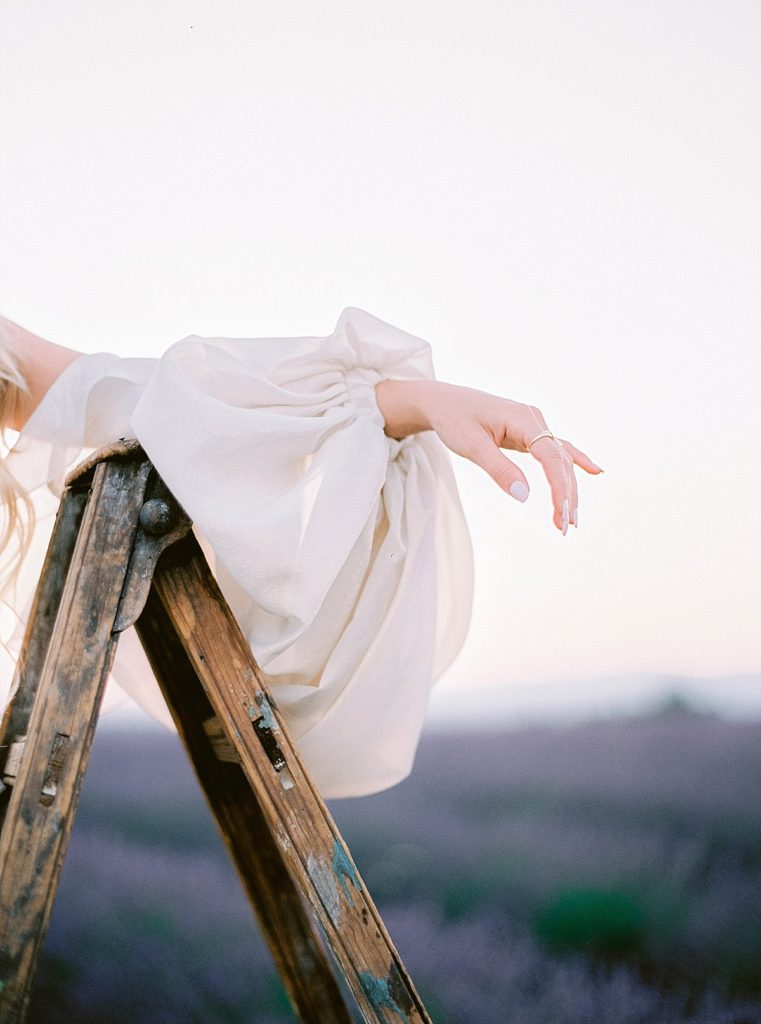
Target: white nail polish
(519, 490)
(575, 519)
(565, 516)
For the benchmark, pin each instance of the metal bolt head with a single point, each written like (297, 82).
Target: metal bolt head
(156, 516)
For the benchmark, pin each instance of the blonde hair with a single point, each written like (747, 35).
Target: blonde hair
(15, 503)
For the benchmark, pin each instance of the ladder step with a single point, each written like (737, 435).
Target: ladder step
(223, 749)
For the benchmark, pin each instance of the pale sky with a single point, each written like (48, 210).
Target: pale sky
(561, 197)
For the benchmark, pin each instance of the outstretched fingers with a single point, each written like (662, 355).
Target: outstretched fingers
(557, 458)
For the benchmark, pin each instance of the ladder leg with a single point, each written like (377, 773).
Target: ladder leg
(283, 918)
(46, 789)
(309, 841)
(39, 627)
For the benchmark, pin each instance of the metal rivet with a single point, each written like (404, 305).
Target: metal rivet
(156, 516)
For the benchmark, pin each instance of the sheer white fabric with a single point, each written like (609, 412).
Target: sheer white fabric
(343, 553)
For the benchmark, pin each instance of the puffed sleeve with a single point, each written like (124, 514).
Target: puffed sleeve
(344, 553)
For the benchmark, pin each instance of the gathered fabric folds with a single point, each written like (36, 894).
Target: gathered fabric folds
(343, 553)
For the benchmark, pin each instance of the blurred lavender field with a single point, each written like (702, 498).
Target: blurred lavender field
(606, 872)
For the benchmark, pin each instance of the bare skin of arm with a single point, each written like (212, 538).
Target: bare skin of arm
(40, 361)
(471, 423)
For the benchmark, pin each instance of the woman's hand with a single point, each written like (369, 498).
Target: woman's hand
(477, 425)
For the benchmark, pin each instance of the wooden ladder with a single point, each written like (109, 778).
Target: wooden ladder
(121, 553)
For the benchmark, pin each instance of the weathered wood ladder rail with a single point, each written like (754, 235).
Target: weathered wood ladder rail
(122, 552)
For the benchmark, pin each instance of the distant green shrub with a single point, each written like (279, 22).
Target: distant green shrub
(592, 920)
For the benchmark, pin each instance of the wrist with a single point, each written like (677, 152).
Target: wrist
(406, 405)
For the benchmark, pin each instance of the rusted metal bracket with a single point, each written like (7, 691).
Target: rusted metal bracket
(162, 522)
(266, 726)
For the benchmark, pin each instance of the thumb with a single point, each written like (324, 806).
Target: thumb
(504, 472)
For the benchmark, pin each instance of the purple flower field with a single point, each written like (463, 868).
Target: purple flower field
(607, 873)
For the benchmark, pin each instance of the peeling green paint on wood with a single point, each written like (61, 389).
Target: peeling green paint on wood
(324, 881)
(379, 993)
(343, 869)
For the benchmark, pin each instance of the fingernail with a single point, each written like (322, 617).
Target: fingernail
(565, 516)
(575, 518)
(519, 490)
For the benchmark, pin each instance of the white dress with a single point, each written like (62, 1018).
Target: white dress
(343, 553)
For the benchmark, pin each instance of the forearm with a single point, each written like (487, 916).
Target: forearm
(406, 405)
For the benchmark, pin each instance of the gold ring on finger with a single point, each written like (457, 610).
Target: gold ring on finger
(545, 433)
